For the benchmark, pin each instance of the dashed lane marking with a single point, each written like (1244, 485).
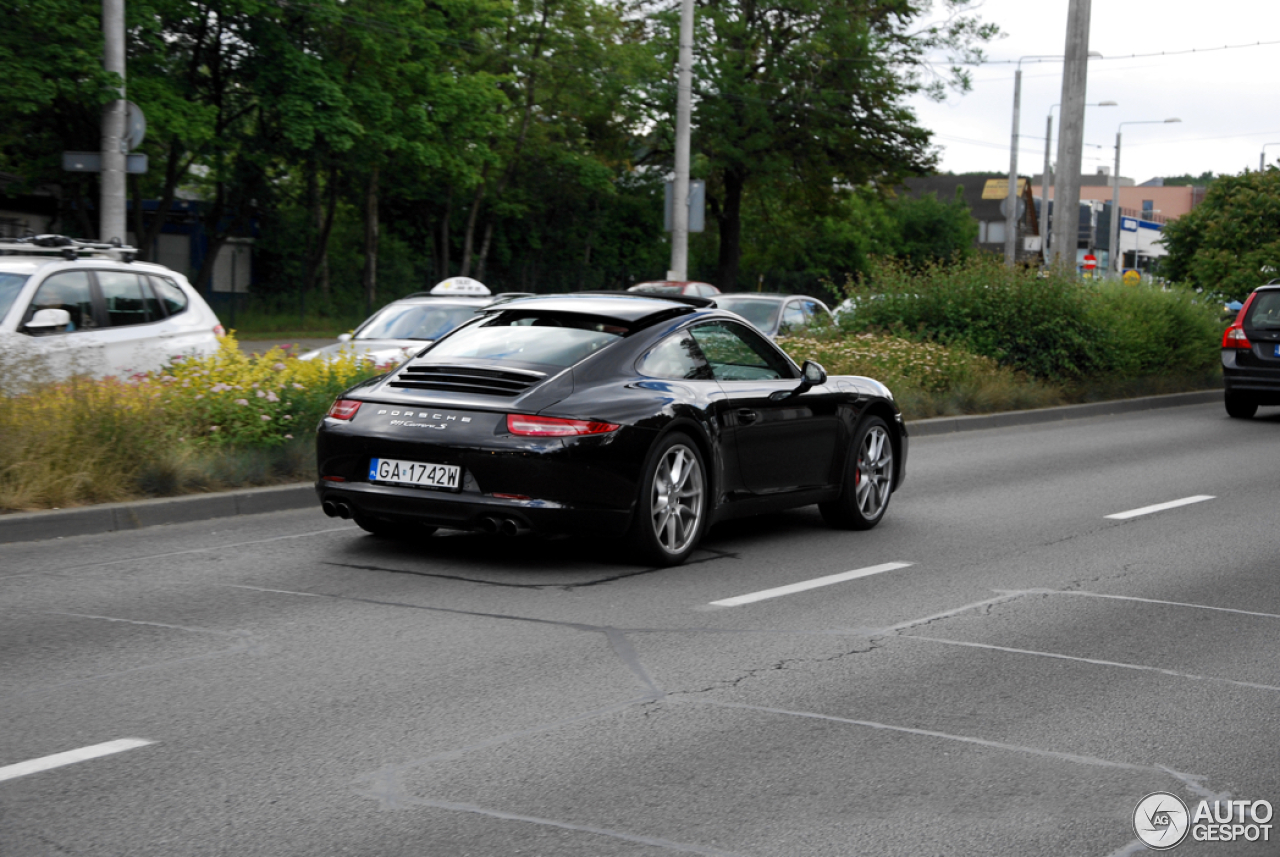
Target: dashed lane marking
(1160, 507)
(57, 760)
(804, 585)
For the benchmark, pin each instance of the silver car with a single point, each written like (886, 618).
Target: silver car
(404, 327)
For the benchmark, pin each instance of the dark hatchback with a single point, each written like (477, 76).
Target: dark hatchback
(619, 416)
(1251, 354)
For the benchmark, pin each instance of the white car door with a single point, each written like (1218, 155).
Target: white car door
(58, 352)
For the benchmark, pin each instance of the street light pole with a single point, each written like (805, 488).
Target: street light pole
(1262, 158)
(1011, 205)
(1011, 214)
(1044, 177)
(1115, 257)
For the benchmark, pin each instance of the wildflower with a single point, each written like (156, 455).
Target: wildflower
(261, 395)
(242, 401)
(298, 386)
(271, 397)
(199, 395)
(288, 437)
(215, 428)
(288, 416)
(219, 387)
(265, 418)
(279, 367)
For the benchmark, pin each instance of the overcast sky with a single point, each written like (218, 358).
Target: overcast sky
(1227, 99)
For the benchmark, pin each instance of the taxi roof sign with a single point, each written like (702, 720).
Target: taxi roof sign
(460, 286)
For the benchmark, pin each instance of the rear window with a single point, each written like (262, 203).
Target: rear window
(1264, 313)
(553, 339)
(171, 296)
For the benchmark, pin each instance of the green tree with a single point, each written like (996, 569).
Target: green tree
(813, 92)
(930, 231)
(1230, 243)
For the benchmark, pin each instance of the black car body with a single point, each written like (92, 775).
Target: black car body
(1251, 354)
(607, 415)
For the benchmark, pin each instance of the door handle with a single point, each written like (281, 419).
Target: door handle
(746, 415)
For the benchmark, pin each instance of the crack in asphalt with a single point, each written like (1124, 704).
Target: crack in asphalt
(566, 587)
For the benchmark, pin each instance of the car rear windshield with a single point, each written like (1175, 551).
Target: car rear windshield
(758, 312)
(1264, 313)
(10, 285)
(552, 339)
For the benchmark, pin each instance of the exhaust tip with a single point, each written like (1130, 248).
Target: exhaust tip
(512, 527)
(490, 525)
(344, 511)
(329, 508)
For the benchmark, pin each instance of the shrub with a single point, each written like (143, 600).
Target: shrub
(198, 424)
(1053, 326)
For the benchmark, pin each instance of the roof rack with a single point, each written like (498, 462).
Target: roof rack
(68, 248)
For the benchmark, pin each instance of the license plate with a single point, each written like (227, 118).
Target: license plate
(446, 476)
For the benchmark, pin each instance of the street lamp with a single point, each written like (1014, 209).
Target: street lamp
(1115, 257)
(1262, 158)
(1044, 176)
(1011, 215)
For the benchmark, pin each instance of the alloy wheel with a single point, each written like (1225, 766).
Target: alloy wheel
(875, 472)
(678, 499)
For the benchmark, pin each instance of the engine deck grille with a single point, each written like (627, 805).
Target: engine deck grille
(466, 379)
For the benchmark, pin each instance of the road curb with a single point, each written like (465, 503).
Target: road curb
(110, 517)
(948, 425)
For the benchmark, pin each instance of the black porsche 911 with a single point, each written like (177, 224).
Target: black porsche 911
(626, 416)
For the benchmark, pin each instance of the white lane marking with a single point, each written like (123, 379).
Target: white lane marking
(57, 760)
(793, 588)
(1095, 661)
(1160, 507)
(1187, 604)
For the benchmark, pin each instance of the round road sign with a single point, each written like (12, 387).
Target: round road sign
(1090, 262)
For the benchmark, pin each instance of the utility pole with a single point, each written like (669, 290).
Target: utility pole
(1044, 193)
(684, 109)
(111, 201)
(1066, 186)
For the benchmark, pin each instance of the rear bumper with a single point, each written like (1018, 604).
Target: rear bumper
(470, 512)
(1259, 384)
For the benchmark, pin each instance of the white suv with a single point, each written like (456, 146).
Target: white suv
(70, 307)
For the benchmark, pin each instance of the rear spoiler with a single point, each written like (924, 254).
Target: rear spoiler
(688, 300)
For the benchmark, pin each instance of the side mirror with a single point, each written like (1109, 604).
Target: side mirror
(48, 321)
(344, 337)
(811, 375)
(814, 374)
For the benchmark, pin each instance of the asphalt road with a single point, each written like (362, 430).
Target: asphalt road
(1018, 675)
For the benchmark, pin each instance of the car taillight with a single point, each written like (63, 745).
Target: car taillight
(1235, 338)
(344, 409)
(219, 331)
(531, 426)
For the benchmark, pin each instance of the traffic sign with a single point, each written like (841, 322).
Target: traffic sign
(1090, 262)
(1131, 277)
